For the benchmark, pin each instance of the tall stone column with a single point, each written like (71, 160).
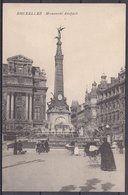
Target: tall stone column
(8, 106)
(30, 108)
(26, 107)
(12, 106)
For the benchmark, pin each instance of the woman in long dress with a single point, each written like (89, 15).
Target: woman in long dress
(107, 158)
(76, 149)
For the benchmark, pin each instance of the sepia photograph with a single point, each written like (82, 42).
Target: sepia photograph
(63, 97)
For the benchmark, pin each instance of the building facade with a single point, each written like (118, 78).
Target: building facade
(78, 117)
(24, 94)
(74, 113)
(104, 108)
(111, 106)
(90, 108)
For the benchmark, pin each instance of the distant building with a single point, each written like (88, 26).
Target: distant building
(24, 94)
(74, 111)
(85, 114)
(90, 107)
(78, 117)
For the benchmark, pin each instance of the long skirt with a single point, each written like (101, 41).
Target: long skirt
(76, 151)
(108, 162)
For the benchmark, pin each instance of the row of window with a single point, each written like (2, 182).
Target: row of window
(112, 92)
(113, 105)
(20, 113)
(21, 69)
(110, 118)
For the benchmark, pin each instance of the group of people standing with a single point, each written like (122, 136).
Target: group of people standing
(18, 147)
(105, 151)
(42, 146)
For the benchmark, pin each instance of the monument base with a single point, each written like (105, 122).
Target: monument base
(59, 121)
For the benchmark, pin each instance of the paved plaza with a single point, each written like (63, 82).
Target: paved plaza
(58, 170)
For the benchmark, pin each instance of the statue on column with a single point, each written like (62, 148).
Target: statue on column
(59, 32)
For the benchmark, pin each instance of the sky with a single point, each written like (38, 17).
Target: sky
(93, 41)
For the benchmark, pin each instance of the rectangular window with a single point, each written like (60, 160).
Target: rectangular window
(118, 116)
(37, 114)
(110, 118)
(113, 117)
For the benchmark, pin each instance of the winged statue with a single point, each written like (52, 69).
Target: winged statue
(59, 32)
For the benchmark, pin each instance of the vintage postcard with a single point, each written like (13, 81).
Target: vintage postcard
(63, 97)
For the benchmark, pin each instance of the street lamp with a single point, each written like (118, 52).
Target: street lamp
(107, 126)
(109, 132)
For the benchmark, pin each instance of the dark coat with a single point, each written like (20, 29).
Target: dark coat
(19, 146)
(107, 158)
(46, 144)
(15, 148)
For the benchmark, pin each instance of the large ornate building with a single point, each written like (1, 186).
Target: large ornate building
(111, 106)
(104, 108)
(24, 94)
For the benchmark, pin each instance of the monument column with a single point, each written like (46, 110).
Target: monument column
(58, 110)
(59, 85)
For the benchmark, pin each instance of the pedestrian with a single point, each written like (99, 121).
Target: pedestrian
(120, 146)
(86, 149)
(107, 158)
(43, 146)
(76, 149)
(19, 146)
(46, 146)
(72, 146)
(15, 148)
(38, 146)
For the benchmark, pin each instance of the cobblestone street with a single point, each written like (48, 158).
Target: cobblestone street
(58, 170)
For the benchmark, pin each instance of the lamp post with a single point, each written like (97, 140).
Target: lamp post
(107, 126)
(109, 132)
